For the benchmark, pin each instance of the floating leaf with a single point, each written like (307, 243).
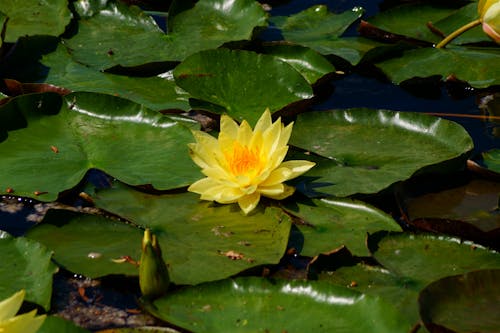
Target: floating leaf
(432, 257)
(413, 20)
(201, 241)
(309, 63)
(462, 303)
(33, 17)
(244, 83)
(59, 325)
(124, 139)
(492, 159)
(90, 245)
(477, 66)
(330, 223)
(110, 33)
(26, 265)
(319, 29)
(402, 292)
(258, 305)
(154, 92)
(365, 151)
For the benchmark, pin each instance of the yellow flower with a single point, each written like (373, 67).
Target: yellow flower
(24, 323)
(242, 165)
(489, 13)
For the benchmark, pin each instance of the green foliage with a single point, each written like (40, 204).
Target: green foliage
(92, 131)
(26, 265)
(34, 17)
(365, 151)
(125, 73)
(256, 305)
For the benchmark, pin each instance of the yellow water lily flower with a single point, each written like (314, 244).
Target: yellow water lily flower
(489, 13)
(242, 165)
(24, 323)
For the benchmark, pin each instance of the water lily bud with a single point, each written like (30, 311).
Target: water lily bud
(489, 13)
(24, 323)
(153, 273)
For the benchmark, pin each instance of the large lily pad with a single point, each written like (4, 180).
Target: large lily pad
(462, 303)
(319, 29)
(88, 244)
(33, 17)
(244, 83)
(202, 241)
(377, 281)
(122, 138)
(110, 33)
(427, 258)
(365, 151)
(331, 223)
(412, 20)
(309, 63)
(260, 305)
(478, 66)
(155, 92)
(26, 265)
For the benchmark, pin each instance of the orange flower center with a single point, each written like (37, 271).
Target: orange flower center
(242, 160)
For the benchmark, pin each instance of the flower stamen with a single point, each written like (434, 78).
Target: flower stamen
(241, 160)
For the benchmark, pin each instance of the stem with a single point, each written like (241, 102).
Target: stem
(457, 33)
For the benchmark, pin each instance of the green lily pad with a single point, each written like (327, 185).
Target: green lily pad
(477, 66)
(26, 265)
(376, 281)
(244, 83)
(33, 17)
(492, 159)
(365, 151)
(462, 303)
(110, 33)
(259, 305)
(88, 244)
(202, 241)
(309, 63)
(124, 139)
(427, 258)
(331, 223)
(155, 92)
(57, 324)
(412, 20)
(319, 29)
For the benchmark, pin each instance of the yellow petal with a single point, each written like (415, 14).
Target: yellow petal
(25, 323)
(216, 173)
(229, 127)
(278, 191)
(264, 122)
(203, 185)
(204, 152)
(276, 158)
(298, 167)
(286, 132)
(10, 306)
(245, 134)
(271, 137)
(287, 170)
(248, 203)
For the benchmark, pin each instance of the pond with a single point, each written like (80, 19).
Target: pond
(382, 212)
